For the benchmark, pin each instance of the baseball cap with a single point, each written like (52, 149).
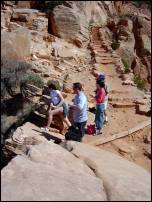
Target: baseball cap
(101, 77)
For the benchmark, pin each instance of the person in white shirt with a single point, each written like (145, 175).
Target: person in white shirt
(57, 106)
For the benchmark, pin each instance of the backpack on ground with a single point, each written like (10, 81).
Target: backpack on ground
(73, 134)
(91, 129)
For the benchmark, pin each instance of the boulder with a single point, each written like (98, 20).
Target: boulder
(123, 180)
(40, 24)
(143, 109)
(14, 26)
(54, 174)
(71, 21)
(5, 18)
(24, 16)
(16, 44)
(146, 43)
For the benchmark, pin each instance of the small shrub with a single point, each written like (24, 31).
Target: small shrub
(115, 45)
(125, 63)
(55, 82)
(33, 79)
(139, 82)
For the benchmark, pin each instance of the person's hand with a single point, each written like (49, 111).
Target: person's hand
(52, 106)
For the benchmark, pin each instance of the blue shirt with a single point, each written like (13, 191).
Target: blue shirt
(81, 111)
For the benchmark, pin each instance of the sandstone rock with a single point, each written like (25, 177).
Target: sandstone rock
(147, 151)
(67, 88)
(24, 15)
(14, 26)
(147, 138)
(146, 43)
(5, 18)
(122, 105)
(143, 109)
(127, 23)
(55, 174)
(75, 18)
(40, 24)
(117, 173)
(124, 147)
(128, 82)
(24, 4)
(16, 44)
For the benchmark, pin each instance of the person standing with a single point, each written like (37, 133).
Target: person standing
(80, 109)
(100, 99)
(101, 77)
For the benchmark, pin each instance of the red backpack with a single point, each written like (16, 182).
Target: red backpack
(91, 129)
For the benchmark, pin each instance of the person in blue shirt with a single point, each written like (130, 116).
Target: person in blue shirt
(80, 108)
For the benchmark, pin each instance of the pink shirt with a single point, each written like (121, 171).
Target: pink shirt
(100, 96)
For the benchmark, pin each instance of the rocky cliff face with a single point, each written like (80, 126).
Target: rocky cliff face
(73, 20)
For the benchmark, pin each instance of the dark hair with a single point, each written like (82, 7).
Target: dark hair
(101, 83)
(77, 86)
(52, 86)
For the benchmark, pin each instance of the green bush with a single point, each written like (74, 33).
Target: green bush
(139, 82)
(33, 79)
(115, 45)
(55, 82)
(126, 65)
(12, 73)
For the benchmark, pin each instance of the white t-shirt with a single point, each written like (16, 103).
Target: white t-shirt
(55, 97)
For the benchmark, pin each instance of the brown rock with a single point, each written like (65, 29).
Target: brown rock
(147, 151)
(122, 105)
(40, 24)
(16, 44)
(143, 109)
(67, 88)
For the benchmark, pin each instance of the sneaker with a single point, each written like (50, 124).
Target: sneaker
(98, 132)
(45, 129)
(106, 119)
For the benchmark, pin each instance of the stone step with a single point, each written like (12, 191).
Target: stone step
(100, 50)
(96, 45)
(99, 60)
(122, 105)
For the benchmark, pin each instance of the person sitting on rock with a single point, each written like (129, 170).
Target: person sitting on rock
(101, 77)
(80, 109)
(100, 99)
(57, 106)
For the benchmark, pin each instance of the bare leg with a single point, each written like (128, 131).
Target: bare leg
(51, 114)
(66, 120)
